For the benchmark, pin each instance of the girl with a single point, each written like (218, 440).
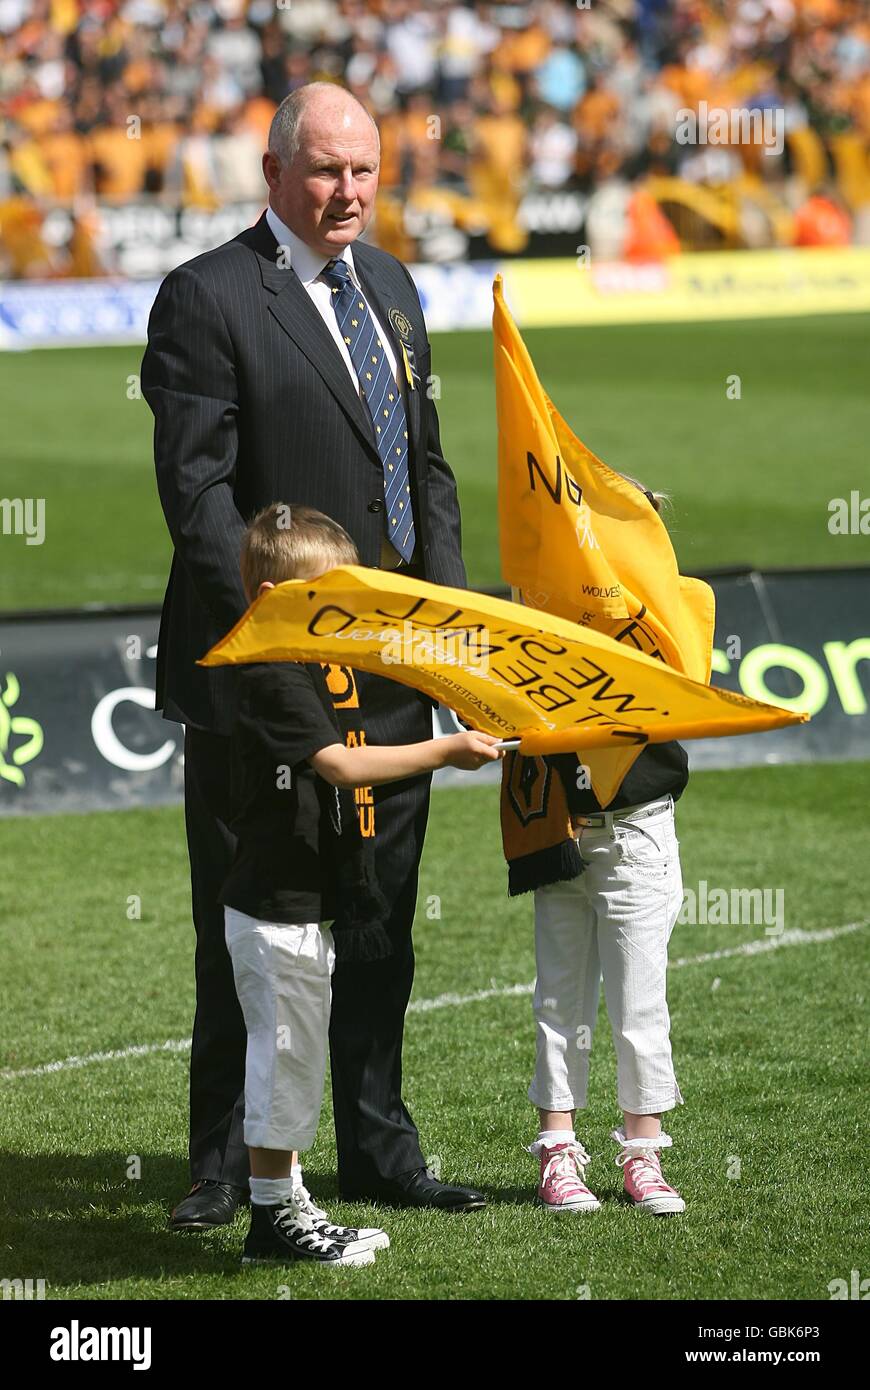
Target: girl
(613, 921)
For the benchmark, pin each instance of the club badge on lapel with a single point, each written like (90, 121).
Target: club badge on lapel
(405, 334)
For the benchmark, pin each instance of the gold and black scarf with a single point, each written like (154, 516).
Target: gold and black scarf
(348, 839)
(536, 822)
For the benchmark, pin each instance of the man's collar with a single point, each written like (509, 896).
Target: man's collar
(307, 263)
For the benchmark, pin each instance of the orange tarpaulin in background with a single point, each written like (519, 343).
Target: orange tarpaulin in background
(649, 235)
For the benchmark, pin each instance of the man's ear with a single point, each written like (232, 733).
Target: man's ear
(264, 587)
(271, 168)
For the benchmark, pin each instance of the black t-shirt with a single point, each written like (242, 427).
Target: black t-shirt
(662, 768)
(284, 716)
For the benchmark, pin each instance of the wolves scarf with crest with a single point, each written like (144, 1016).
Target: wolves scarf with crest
(348, 840)
(536, 822)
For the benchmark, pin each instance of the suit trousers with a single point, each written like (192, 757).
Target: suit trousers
(375, 1135)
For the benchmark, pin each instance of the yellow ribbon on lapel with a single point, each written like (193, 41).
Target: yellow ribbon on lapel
(407, 368)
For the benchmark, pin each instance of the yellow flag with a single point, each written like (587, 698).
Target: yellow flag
(504, 668)
(579, 541)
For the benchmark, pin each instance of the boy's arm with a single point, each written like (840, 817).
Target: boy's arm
(286, 718)
(369, 767)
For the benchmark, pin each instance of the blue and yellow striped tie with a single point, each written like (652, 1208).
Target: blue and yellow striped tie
(383, 398)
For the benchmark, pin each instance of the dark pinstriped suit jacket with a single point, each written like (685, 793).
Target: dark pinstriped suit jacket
(253, 404)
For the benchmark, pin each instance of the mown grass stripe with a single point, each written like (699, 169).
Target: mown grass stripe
(796, 937)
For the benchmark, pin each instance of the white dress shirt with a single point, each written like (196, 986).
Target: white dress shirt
(308, 265)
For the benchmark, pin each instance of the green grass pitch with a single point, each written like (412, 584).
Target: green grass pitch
(770, 1060)
(751, 478)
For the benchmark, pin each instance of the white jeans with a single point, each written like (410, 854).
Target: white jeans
(283, 981)
(614, 921)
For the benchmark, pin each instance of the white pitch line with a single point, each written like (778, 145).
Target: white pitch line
(772, 943)
(70, 1063)
(452, 1001)
(795, 937)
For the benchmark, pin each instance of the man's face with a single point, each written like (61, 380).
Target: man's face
(326, 193)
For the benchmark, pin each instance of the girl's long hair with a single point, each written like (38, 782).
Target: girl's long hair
(658, 500)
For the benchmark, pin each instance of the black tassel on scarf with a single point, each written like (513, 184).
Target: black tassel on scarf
(359, 929)
(554, 864)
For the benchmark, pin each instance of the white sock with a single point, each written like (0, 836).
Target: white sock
(296, 1174)
(657, 1142)
(548, 1137)
(271, 1192)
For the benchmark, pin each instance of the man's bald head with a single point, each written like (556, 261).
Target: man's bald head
(325, 103)
(322, 166)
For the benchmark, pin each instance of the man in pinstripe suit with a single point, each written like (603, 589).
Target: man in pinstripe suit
(259, 358)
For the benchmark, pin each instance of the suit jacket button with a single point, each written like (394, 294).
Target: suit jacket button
(376, 506)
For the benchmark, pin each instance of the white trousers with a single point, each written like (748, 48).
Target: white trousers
(613, 922)
(283, 978)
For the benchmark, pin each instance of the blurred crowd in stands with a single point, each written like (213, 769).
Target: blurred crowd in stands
(479, 105)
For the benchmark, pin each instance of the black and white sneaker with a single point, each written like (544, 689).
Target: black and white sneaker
(362, 1238)
(284, 1234)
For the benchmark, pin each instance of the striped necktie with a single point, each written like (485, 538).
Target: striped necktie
(383, 398)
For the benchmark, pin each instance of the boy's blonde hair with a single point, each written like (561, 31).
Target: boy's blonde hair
(284, 539)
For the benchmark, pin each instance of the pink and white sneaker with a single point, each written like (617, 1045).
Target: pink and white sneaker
(563, 1168)
(642, 1167)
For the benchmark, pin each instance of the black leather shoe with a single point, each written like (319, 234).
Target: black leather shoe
(207, 1204)
(420, 1188)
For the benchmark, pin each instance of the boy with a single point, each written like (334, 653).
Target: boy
(301, 860)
